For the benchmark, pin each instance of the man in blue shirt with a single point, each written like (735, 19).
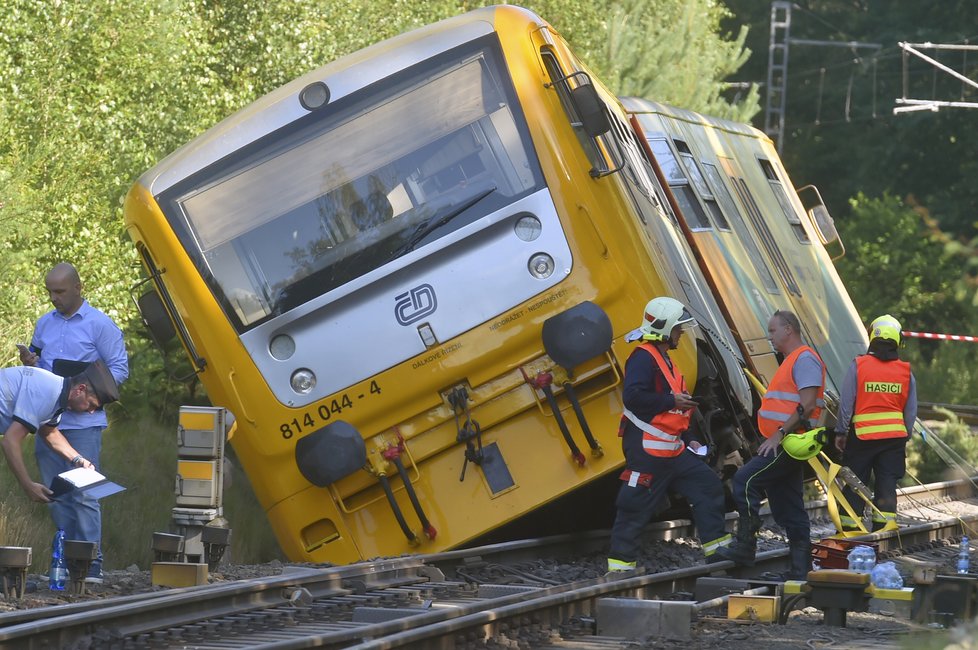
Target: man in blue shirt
(65, 340)
(32, 400)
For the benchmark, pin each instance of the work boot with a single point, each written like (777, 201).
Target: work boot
(800, 556)
(744, 547)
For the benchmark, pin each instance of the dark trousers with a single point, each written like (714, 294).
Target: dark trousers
(885, 460)
(779, 478)
(685, 474)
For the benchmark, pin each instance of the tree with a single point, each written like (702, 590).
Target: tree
(92, 94)
(674, 52)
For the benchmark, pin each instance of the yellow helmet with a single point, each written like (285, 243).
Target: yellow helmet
(802, 446)
(661, 315)
(885, 327)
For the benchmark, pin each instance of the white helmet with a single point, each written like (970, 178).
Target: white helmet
(662, 314)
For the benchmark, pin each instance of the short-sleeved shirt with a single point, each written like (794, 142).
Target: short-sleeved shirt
(66, 345)
(31, 396)
(807, 371)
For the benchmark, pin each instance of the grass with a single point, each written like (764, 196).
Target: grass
(139, 453)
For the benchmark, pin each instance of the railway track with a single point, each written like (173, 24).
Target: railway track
(935, 411)
(450, 599)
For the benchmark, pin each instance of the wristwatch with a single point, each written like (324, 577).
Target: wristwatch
(76, 460)
(783, 432)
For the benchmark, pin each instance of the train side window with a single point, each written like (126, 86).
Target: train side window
(679, 184)
(709, 200)
(766, 237)
(778, 188)
(562, 85)
(740, 227)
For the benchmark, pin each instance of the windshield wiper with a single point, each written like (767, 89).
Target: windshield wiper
(428, 226)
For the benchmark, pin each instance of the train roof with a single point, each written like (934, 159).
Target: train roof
(640, 105)
(343, 76)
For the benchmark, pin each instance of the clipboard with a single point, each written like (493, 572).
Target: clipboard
(84, 480)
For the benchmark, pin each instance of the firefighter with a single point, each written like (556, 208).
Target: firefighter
(877, 410)
(657, 413)
(794, 396)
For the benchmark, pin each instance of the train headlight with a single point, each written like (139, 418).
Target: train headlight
(528, 228)
(303, 381)
(282, 347)
(541, 266)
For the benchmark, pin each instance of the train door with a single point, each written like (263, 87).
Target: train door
(727, 248)
(765, 234)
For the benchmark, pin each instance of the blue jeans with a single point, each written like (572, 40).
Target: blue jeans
(79, 515)
(780, 478)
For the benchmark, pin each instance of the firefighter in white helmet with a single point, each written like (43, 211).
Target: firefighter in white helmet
(877, 411)
(657, 413)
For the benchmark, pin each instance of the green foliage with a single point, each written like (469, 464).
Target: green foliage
(92, 94)
(674, 52)
(927, 466)
(892, 265)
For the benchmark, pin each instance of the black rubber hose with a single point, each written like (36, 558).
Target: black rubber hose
(384, 483)
(575, 452)
(426, 526)
(579, 412)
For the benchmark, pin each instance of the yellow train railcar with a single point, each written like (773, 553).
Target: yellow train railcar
(409, 275)
(764, 249)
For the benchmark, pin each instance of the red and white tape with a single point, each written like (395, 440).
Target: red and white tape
(942, 337)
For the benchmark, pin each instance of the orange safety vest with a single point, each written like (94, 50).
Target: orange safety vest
(882, 388)
(782, 397)
(660, 436)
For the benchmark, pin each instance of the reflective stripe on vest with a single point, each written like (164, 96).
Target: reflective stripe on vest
(882, 388)
(660, 436)
(709, 548)
(782, 397)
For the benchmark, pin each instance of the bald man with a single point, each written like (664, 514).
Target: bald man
(65, 341)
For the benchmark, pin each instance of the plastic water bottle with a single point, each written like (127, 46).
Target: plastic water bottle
(964, 556)
(862, 559)
(869, 559)
(59, 570)
(886, 576)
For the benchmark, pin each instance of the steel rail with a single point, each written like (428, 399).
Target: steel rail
(60, 626)
(678, 580)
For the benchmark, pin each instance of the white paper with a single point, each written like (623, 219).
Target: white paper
(81, 476)
(702, 450)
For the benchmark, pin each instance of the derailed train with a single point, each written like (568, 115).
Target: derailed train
(409, 275)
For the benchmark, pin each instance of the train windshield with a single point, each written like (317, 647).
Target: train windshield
(386, 171)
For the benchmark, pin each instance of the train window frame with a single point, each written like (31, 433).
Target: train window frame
(485, 48)
(781, 196)
(698, 181)
(560, 82)
(679, 183)
(639, 175)
(741, 228)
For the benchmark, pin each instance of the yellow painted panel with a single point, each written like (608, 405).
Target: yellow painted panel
(200, 470)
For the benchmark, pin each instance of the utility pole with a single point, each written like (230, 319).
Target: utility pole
(777, 66)
(777, 70)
